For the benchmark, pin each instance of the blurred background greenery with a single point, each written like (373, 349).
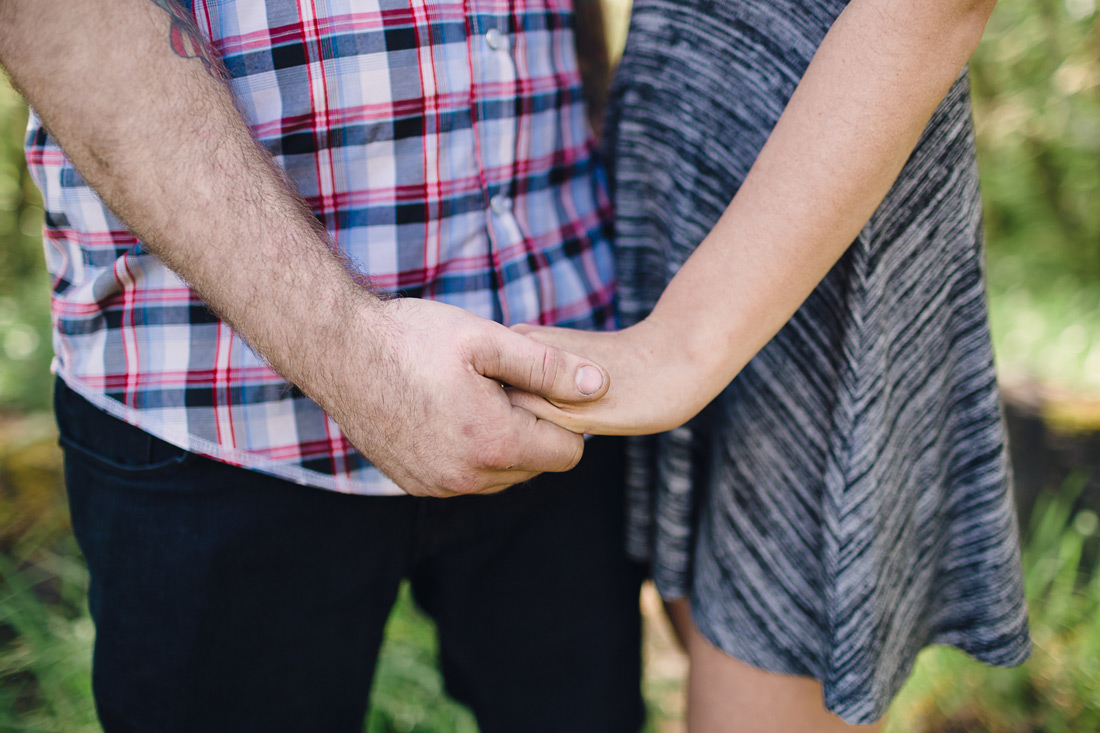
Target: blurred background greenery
(1036, 82)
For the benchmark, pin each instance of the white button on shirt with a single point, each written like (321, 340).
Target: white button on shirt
(496, 39)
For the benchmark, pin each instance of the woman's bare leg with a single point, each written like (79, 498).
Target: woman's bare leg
(725, 695)
(679, 615)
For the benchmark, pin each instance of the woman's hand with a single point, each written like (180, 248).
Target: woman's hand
(654, 384)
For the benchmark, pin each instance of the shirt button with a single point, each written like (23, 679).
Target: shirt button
(495, 39)
(500, 204)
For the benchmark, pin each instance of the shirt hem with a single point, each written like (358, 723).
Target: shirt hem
(377, 485)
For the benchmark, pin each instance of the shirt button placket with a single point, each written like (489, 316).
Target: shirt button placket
(519, 301)
(497, 41)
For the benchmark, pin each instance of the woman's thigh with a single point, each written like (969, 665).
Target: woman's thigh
(726, 695)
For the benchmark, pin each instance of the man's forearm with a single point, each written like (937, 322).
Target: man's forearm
(137, 103)
(127, 90)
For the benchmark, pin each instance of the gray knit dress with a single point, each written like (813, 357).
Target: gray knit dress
(846, 501)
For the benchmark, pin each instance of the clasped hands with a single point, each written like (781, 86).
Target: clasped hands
(426, 406)
(447, 403)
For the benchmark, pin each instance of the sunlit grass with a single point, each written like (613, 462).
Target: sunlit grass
(408, 694)
(1049, 329)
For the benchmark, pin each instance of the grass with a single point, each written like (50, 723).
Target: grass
(45, 660)
(408, 692)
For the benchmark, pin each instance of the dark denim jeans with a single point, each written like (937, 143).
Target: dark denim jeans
(226, 600)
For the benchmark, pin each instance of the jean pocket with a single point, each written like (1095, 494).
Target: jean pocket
(93, 434)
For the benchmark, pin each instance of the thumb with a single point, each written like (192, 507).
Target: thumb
(539, 368)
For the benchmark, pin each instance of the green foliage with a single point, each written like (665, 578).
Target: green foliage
(1055, 691)
(25, 350)
(1036, 82)
(1036, 86)
(45, 657)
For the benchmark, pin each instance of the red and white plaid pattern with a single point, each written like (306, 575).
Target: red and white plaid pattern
(445, 147)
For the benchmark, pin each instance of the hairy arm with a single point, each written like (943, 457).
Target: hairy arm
(843, 138)
(137, 101)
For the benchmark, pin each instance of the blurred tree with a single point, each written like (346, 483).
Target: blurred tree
(24, 286)
(1036, 80)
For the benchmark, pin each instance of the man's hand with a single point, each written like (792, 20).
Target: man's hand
(428, 408)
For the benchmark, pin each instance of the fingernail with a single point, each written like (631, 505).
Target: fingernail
(589, 379)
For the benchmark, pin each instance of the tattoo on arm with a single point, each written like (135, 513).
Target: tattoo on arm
(186, 40)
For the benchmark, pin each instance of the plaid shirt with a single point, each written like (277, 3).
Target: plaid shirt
(444, 145)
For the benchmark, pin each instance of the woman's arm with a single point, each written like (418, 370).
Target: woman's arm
(843, 138)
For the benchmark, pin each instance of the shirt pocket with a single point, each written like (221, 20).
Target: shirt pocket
(90, 433)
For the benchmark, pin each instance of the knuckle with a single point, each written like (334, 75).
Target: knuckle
(489, 444)
(577, 452)
(482, 351)
(492, 454)
(417, 490)
(552, 364)
(459, 482)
